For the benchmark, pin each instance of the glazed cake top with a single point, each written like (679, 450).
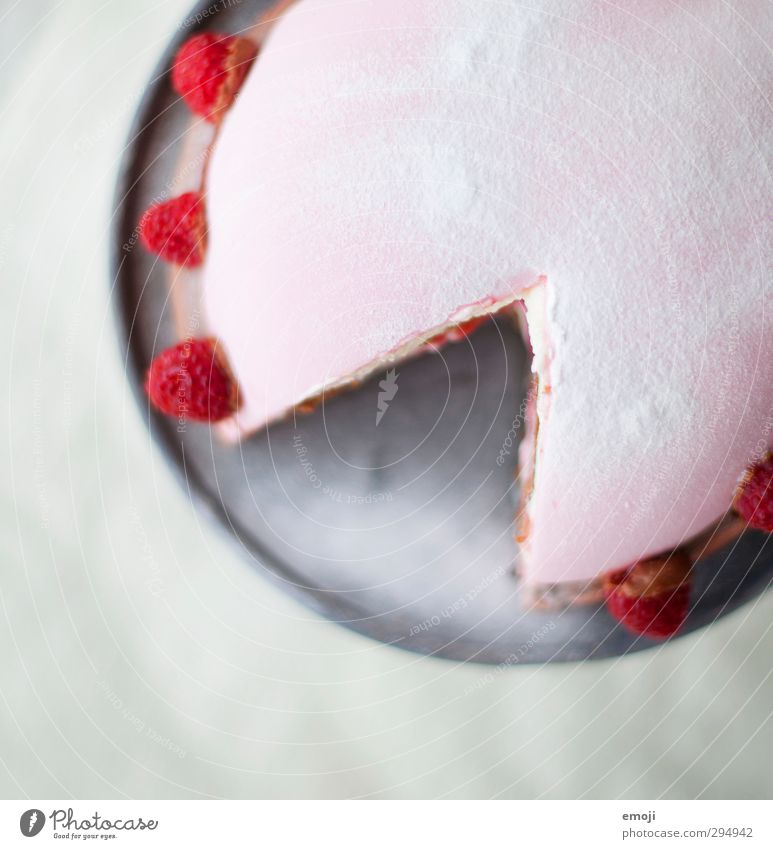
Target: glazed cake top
(387, 164)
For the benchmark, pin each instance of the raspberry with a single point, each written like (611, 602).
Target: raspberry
(208, 71)
(754, 497)
(189, 380)
(175, 229)
(652, 597)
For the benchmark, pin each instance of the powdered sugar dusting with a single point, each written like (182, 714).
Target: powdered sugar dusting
(388, 162)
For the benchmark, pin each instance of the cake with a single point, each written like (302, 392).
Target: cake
(389, 175)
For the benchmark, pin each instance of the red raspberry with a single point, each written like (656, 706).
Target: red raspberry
(651, 597)
(189, 380)
(754, 497)
(176, 229)
(208, 71)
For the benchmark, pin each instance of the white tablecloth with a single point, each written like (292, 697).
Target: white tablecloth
(141, 657)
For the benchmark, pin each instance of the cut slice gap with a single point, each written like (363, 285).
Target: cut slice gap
(463, 321)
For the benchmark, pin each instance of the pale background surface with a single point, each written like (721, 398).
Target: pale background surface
(217, 685)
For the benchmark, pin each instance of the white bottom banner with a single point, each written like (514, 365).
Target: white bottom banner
(378, 825)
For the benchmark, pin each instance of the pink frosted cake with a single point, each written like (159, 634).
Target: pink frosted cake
(392, 172)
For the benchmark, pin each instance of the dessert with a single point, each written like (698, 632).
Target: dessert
(176, 229)
(190, 381)
(651, 598)
(410, 168)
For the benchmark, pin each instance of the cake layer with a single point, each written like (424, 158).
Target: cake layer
(387, 164)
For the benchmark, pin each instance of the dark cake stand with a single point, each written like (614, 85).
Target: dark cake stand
(401, 530)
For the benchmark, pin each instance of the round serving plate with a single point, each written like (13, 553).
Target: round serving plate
(390, 509)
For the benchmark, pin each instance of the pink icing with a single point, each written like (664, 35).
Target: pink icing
(387, 163)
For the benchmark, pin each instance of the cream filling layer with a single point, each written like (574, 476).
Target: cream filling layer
(535, 324)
